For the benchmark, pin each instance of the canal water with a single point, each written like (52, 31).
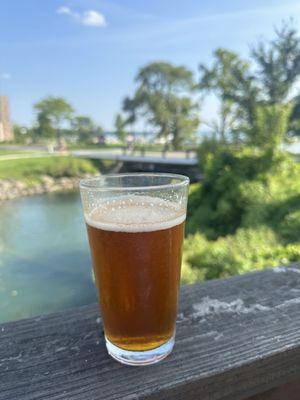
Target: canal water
(44, 257)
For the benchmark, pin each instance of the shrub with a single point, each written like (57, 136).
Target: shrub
(247, 250)
(241, 188)
(244, 216)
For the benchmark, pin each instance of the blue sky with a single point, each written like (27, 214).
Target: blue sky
(89, 50)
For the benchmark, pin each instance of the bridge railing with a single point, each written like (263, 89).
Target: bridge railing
(237, 338)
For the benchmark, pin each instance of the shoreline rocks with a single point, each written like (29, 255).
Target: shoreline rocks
(11, 189)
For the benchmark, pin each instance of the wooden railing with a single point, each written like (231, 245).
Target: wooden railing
(237, 338)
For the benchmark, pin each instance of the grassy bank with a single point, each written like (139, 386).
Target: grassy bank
(30, 170)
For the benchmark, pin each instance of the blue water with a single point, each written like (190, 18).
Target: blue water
(44, 257)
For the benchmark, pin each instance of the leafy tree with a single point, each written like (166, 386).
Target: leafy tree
(120, 124)
(43, 127)
(85, 128)
(52, 113)
(245, 214)
(245, 97)
(218, 79)
(229, 78)
(22, 133)
(163, 99)
(270, 124)
(278, 64)
(294, 125)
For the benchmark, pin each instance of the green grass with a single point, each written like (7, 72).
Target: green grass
(12, 152)
(31, 170)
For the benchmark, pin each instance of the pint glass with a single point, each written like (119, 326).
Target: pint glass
(135, 225)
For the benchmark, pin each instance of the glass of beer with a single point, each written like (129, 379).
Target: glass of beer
(135, 225)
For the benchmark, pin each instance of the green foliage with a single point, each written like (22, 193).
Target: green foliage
(43, 128)
(270, 124)
(245, 215)
(32, 169)
(253, 105)
(120, 128)
(278, 63)
(223, 196)
(85, 128)
(294, 123)
(163, 99)
(52, 113)
(21, 133)
(289, 227)
(230, 80)
(247, 250)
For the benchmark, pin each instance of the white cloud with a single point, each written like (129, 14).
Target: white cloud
(93, 18)
(87, 18)
(64, 10)
(5, 75)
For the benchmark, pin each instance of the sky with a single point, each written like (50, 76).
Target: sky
(89, 51)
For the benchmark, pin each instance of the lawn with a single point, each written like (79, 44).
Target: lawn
(32, 169)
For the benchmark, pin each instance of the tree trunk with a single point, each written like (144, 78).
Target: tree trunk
(177, 142)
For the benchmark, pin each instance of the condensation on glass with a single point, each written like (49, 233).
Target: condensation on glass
(135, 225)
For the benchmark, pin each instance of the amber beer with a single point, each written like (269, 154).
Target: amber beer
(135, 225)
(136, 250)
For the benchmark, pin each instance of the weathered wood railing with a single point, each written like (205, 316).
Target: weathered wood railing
(237, 339)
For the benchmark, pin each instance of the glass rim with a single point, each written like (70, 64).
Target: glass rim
(87, 183)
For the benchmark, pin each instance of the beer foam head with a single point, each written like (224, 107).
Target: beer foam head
(136, 214)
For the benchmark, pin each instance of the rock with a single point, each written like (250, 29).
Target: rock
(10, 189)
(30, 191)
(39, 189)
(56, 188)
(19, 185)
(47, 180)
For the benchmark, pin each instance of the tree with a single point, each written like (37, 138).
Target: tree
(229, 78)
(270, 124)
(294, 123)
(85, 128)
(278, 64)
(52, 113)
(22, 134)
(43, 127)
(247, 99)
(120, 128)
(184, 122)
(163, 99)
(279, 69)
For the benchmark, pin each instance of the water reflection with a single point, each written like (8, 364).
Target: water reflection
(45, 264)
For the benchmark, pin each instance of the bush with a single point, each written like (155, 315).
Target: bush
(241, 188)
(245, 215)
(289, 228)
(247, 250)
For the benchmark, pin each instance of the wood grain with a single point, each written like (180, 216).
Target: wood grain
(289, 391)
(236, 338)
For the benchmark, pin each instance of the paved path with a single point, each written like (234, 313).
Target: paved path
(150, 157)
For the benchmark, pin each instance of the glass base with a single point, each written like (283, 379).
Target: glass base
(140, 358)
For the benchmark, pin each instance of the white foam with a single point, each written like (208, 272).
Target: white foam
(136, 214)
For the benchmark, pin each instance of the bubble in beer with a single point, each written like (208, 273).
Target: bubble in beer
(136, 214)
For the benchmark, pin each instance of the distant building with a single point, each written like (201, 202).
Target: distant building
(6, 131)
